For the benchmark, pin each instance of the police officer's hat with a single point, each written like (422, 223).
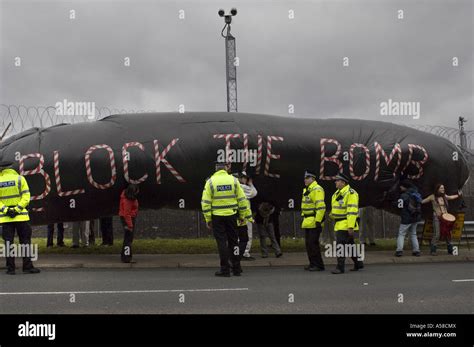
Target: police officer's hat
(218, 162)
(309, 173)
(4, 164)
(342, 177)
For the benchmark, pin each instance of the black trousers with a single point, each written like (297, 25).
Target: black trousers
(243, 239)
(225, 232)
(311, 238)
(107, 230)
(23, 230)
(126, 254)
(276, 228)
(60, 237)
(343, 238)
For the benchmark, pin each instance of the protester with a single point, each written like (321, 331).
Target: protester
(276, 223)
(245, 227)
(60, 236)
(409, 204)
(128, 214)
(439, 202)
(80, 230)
(107, 231)
(367, 230)
(265, 228)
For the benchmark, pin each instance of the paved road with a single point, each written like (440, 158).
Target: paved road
(426, 288)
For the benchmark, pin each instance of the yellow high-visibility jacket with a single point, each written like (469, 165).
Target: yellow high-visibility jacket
(313, 206)
(14, 192)
(345, 208)
(223, 196)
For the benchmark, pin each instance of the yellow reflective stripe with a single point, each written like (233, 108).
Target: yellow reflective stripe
(206, 201)
(225, 197)
(307, 209)
(211, 186)
(339, 207)
(10, 196)
(223, 207)
(320, 208)
(21, 213)
(353, 213)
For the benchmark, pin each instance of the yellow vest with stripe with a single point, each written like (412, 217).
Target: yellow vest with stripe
(313, 206)
(14, 192)
(223, 196)
(345, 208)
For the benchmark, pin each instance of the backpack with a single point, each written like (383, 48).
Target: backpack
(414, 204)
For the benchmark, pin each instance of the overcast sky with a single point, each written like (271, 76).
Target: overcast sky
(282, 61)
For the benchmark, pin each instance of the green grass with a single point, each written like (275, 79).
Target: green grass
(178, 246)
(191, 246)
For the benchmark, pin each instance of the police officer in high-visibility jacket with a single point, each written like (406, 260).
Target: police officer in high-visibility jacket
(223, 203)
(344, 211)
(14, 198)
(313, 208)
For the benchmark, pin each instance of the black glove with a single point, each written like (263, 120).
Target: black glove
(11, 212)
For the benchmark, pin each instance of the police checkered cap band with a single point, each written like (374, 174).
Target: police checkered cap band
(342, 177)
(309, 174)
(4, 164)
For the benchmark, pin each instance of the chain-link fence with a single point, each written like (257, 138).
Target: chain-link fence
(25, 117)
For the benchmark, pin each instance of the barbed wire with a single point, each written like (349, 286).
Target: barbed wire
(25, 117)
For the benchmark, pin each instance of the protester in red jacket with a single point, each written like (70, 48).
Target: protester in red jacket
(128, 213)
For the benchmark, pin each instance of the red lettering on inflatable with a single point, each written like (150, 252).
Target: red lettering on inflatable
(57, 176)
(37, 171)
(126, 159)
(161, 158)
(332, 159)
(113, 168)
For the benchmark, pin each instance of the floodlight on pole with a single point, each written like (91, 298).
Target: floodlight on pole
(230, 54)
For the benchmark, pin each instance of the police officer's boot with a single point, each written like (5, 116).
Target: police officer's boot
(222, 274)
(433, 250)
(32, 270)
(358, 266)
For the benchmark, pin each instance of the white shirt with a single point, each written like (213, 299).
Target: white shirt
(249, 190)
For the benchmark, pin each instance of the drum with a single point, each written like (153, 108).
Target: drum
(446, 224)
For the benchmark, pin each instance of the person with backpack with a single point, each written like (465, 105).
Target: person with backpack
(439, 201)
(265, 228)
(409, 204)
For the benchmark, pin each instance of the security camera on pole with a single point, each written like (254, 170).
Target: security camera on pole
(230, 52)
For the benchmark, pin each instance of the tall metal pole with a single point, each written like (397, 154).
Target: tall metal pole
(230, 61)
(462, 133)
